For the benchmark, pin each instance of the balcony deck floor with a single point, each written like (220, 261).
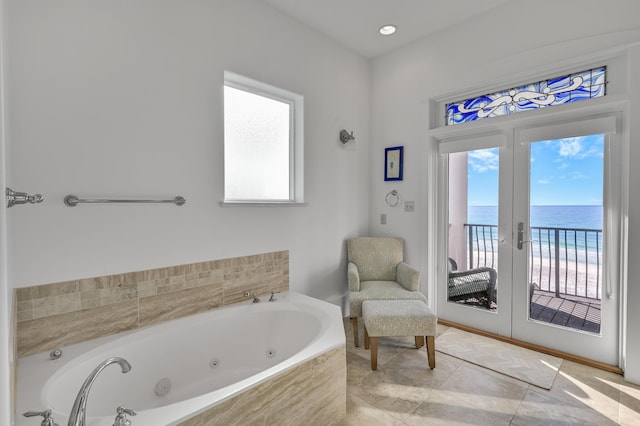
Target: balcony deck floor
(579, 313)
(569, 311)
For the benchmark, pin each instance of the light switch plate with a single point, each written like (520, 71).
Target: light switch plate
(383, 219)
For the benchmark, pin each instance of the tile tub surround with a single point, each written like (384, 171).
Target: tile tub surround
(313, 393)
(55, 315)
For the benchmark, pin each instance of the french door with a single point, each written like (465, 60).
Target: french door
(531, 228)
(475, 261)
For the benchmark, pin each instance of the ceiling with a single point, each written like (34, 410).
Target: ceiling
(355, 23)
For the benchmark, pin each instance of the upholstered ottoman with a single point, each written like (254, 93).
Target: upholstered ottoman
(398, 318)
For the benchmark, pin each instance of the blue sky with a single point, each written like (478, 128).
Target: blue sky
(563, 172)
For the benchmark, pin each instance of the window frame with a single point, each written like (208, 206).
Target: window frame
(528, 96)
(296, 139)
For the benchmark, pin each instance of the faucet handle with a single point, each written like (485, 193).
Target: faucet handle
(250, 295)
(128, 411)
(273, 296)
(121, 418)
(47, 419)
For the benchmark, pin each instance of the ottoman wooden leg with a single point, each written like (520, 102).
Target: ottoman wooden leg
(419, 342)
(367, 339)
(374, 352)
(431, 351)
(354, 322)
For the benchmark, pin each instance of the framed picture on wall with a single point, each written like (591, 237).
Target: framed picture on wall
(393, 163)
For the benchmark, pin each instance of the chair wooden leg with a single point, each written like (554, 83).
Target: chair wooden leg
(354, 322)
(419, 342)
(374, 352)
(367, 339)
(431, 351)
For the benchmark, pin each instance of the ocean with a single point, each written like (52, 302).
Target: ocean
(577, 217)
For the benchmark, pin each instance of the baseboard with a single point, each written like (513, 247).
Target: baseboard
(538, 348)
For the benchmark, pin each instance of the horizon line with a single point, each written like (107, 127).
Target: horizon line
(542, 205)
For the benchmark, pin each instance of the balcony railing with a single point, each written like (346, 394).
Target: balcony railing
(565, 261)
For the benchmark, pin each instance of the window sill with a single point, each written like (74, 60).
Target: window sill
(262, 204)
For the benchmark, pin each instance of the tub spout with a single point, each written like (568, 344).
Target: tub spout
(78, 412)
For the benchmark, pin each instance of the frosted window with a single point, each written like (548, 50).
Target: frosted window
(554, 91)
(256, 146)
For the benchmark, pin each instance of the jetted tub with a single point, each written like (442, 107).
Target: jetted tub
(183, 367)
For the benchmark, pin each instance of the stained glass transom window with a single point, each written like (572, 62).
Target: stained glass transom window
(554, 91)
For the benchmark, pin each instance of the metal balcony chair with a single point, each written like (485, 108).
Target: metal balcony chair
(477, 283)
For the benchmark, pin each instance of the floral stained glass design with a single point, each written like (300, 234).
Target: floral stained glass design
(554, 91)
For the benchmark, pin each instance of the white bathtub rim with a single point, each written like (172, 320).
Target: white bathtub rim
(140, 334)
(331, 336)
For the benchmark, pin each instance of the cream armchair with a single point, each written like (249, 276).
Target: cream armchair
(376, 270)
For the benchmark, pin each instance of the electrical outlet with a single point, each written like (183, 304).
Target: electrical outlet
(383, 219)
(409, 206)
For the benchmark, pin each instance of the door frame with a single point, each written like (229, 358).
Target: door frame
(433, 237)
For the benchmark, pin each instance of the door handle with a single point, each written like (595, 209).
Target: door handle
(521, 241)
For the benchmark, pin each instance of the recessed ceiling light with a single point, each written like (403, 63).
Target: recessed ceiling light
(387, 30)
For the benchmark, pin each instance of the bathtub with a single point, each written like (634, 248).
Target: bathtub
(186, 367)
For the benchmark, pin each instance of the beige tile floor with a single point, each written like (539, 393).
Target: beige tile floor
(403, 391)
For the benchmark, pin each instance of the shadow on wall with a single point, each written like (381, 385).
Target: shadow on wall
(324, 282)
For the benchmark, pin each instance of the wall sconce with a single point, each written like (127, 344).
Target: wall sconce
(346, 136)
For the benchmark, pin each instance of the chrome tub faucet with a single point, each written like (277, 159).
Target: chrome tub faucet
(78, 412)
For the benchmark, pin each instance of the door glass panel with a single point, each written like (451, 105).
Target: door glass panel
(473, 228)
(565, 233)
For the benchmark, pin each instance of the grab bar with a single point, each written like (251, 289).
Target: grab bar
(72, 201)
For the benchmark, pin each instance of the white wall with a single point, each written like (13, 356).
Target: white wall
(6, 410)
(514, 40)
(632, 372)
(123, 98)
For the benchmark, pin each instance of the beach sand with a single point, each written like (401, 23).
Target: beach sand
(574, 278)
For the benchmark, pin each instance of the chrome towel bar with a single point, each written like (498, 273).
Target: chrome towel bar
(72, 201)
